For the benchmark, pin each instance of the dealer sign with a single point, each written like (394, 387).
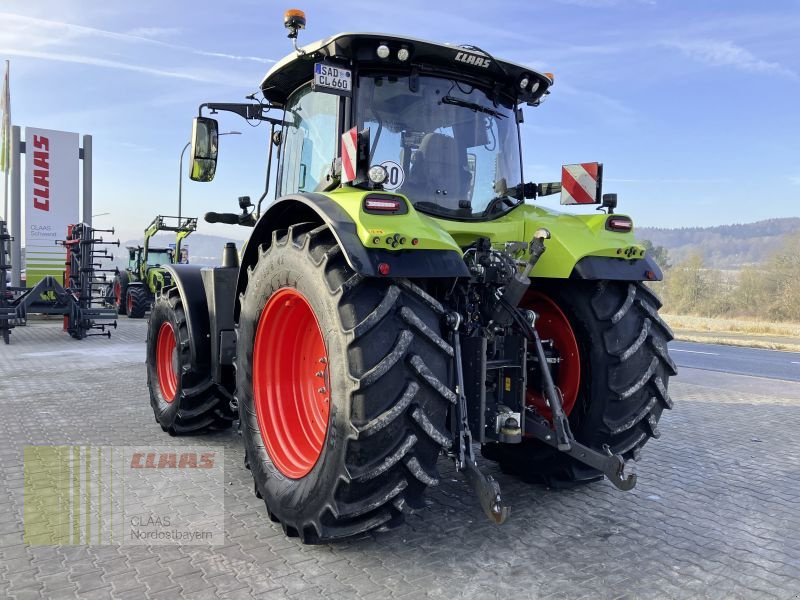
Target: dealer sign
(51, 199)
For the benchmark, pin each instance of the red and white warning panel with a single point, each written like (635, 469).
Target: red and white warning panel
(581, 183)
(349, 154)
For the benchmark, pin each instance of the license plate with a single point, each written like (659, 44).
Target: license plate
(333, 80)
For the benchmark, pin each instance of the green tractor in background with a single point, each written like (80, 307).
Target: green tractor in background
(133, 290)
(404, 296)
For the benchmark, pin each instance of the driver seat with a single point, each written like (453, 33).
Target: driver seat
(439, 171)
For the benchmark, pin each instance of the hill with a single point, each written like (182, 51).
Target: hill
(723, 246)
(203, 249)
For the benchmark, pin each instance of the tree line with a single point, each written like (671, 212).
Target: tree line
(769, 290)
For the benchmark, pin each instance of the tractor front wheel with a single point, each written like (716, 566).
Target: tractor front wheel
(341, 384)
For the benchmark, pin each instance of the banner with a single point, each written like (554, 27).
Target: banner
(51, 199)
(83, 495)
(183, 259)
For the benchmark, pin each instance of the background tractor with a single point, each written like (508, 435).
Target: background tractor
(400, 299)
(134, 289)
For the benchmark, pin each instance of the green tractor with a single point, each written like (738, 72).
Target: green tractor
(134, 289)
(404, 296)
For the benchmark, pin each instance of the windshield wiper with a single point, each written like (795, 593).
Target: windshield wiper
(496, 203)
(472, 105)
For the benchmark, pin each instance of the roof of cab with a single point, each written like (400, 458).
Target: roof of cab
(463, 62)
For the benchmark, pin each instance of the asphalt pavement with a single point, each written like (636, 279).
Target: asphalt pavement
(755, 362)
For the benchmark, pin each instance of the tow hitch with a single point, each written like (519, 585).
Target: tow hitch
(560, 436)
(611, 465)
(527, 421)
(485, 486)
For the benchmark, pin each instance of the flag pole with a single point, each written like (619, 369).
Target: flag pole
(6, 138)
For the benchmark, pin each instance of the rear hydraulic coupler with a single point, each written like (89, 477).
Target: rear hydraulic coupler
(514, 290)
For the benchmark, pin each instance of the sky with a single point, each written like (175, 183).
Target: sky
(692, 106)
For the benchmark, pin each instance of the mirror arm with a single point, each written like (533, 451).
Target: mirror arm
(246, 111)
(269, 171)
(548, 189)
(531, 191)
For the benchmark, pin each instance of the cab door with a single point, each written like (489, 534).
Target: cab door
(309, 143)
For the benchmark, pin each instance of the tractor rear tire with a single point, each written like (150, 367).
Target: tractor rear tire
(342, 389)
(138, 301)
(624, 373)
(184, 400)
(120, 293)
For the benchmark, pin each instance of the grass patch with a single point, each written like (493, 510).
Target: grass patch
(736, 332)
(722, 325)
(748, 342)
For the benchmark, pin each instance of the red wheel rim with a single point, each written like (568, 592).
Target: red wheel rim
(166, 362)
(129, 303)
(290, 383)
(117, 292)
(553, 324)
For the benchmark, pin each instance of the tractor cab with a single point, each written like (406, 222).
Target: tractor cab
(156, 257)
(442, 121)
(134, 257)
(160, 257)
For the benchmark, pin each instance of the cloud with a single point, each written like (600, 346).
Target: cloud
(71, 31)
(609, 109)
(207, 77)
(718, 53)
(153, 32)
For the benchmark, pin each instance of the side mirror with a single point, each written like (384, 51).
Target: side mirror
(582, 183)
(205, 135)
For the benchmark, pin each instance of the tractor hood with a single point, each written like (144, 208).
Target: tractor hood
(466, 63)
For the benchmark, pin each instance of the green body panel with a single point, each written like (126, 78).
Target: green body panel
(417, 225)
(154, 278)
(573, 237)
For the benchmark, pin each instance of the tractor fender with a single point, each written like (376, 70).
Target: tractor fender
(189, 282)
(617, 269)
(319, 208)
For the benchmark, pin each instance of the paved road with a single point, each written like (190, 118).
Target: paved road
(756, 362)
(715, 513)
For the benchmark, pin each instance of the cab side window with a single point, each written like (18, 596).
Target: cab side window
(309, 140)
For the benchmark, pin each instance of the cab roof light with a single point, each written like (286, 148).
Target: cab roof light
(294, 19)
